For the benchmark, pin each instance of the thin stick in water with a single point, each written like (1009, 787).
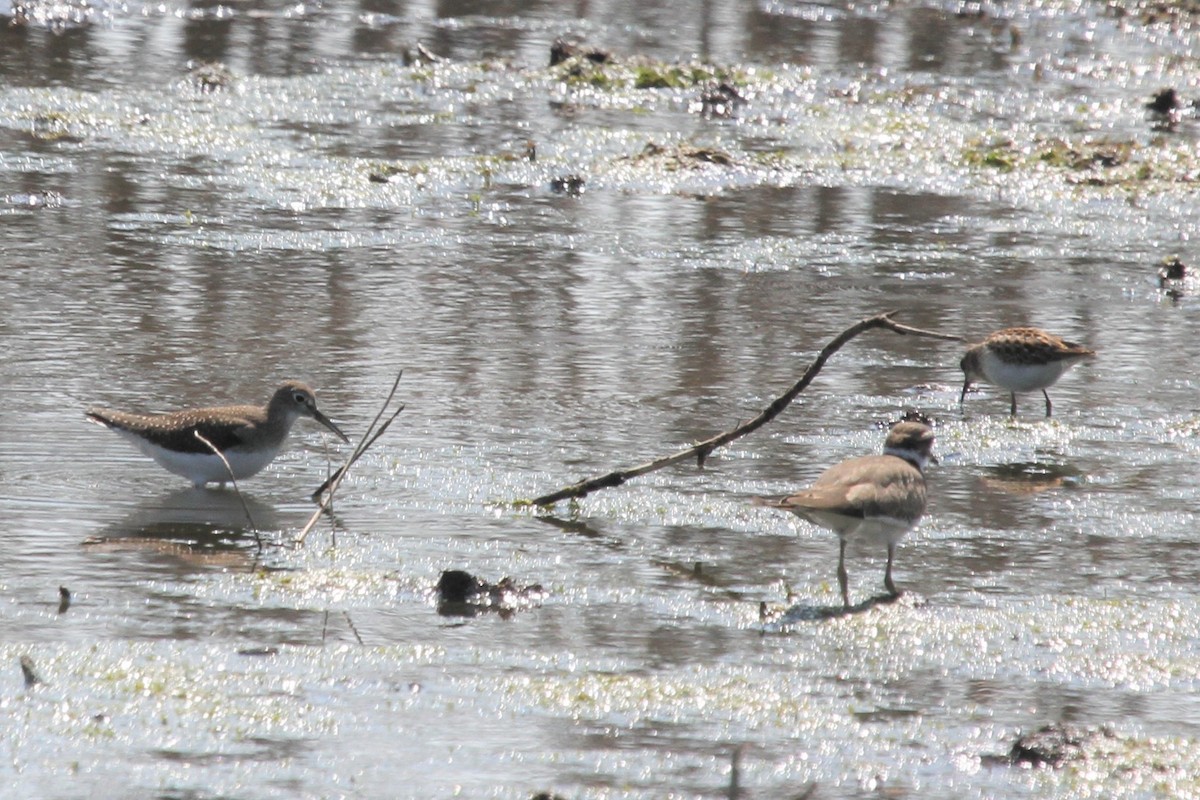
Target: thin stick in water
(372, 434)
(702, 450)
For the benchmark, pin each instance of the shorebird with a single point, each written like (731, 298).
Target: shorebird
(877, 498)
(248, 436)
(1020, 360)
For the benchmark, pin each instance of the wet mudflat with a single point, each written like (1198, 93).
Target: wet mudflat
(580, 267)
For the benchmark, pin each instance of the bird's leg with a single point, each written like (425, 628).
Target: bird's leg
(843, 579)
(887, 574)
(1047, 402)
(1013, 411)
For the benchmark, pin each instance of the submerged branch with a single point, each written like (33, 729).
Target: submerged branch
(702, 450)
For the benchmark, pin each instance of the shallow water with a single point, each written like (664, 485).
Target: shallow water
(167, 243)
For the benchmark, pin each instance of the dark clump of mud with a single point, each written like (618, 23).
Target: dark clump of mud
(1164, 102)
(1172, 269)
(460, 593)
(1053, 746)
(1173, 277)
(721, 101)
(563, 50)
(568, 184)
(210, 76)
(29, 672)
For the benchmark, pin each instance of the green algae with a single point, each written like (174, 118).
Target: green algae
(1152, 165)
(642, 73)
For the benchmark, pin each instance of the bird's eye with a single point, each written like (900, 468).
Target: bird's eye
(300, 398)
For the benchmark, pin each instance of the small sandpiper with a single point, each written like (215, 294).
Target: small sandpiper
(1020, 360)
(877, 498)
(248, 436)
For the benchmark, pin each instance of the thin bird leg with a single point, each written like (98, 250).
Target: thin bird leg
(1047, 402)
(843, 578)
(1014, 404)
(887, 574)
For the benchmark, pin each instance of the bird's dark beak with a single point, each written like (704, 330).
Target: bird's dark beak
(328, 423)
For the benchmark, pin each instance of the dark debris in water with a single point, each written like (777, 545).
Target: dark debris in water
(1087, 161)
(53, 127)
(1167, 109)
(259, 652)
(1173, 277)
(462, 594)
(1172, 269)
(419, 54)
(582, 65)
(721, 101)
(1053, 745)
(564, 50)
(1165, 101)
(27, 669)
(210, 76)
(681, 156)
(568, 184)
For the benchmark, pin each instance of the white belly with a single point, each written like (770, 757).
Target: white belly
(872, 530)
(202, 468)
(1021, 377)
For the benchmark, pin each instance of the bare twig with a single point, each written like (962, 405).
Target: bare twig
(353, 628)
(702, 450)
(236, 490)
(315, 496)
(369, 438)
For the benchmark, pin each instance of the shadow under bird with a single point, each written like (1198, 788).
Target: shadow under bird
(248, 436)
(877, 498)
(1020, 360)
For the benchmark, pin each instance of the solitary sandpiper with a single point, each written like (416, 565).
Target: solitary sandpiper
(248, 436)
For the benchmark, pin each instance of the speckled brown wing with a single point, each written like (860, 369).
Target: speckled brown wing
(1034, 346)
(177, 431)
